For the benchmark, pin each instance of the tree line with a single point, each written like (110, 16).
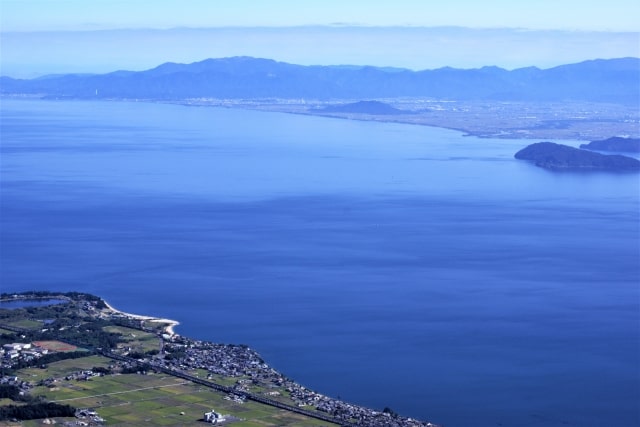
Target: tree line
(31, 408)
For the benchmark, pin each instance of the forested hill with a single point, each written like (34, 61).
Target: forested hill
(601, 80)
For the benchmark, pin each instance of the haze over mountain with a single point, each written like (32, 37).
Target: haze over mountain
(612, 80)
(28, 54)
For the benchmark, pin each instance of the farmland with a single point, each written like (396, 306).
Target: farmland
(106, 366)
(156, 399)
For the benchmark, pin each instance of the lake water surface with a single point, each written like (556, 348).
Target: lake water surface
(22, 303)
(387, 264)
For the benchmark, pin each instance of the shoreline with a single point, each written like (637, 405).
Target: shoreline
(481, 119)
(544, 120)
(169, 329)
(236, 363)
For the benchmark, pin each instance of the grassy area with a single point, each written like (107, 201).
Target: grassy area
(138, 340)
(6, 401)
(222, 380)
(159, 327)
(131, 399)
(25, 323)
(62, 368)
(154, 399)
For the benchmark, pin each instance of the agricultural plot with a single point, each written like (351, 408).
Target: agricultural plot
(154, 399)
(63, 368)
(125, 399)
(56, 346)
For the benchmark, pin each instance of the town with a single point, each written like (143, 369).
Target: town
(577, 120)
(235, 370)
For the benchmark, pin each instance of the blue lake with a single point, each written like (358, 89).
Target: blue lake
(387, 264)
(22, 303)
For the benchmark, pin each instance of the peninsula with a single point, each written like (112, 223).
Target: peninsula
(615, 144)
(78, 359)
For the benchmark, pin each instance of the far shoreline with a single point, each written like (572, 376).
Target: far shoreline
(481, 119)
(488, 119)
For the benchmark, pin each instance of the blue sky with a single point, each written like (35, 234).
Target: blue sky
(52, 36)
(30, 15)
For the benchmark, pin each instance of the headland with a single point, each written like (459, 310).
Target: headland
(167, 324)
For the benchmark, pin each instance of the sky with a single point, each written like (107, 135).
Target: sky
(38, 15)
(52, 36)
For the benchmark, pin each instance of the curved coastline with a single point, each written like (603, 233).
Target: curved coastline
(169, 329)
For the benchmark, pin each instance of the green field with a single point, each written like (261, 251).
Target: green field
(138, 340)
(154, 399)
(130, 399)
(62, 368)
(25, 323)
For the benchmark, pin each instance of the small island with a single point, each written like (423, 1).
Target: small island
(554, 156)
(615, 144)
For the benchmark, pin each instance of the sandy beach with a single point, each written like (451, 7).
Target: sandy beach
(169, 329)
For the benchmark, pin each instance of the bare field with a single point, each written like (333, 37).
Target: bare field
(57, 346)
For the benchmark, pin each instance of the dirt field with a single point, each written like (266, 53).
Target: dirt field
(57, 346)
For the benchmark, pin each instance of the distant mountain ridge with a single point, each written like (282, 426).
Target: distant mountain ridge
(600, 80)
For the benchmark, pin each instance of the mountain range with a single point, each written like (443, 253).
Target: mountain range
(600, 80)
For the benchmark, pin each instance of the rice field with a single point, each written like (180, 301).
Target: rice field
(154, 399)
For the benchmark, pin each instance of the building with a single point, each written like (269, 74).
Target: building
(213, 417)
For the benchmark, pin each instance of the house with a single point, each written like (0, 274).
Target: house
(16, 346)
(11, 354)
(213, 417)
